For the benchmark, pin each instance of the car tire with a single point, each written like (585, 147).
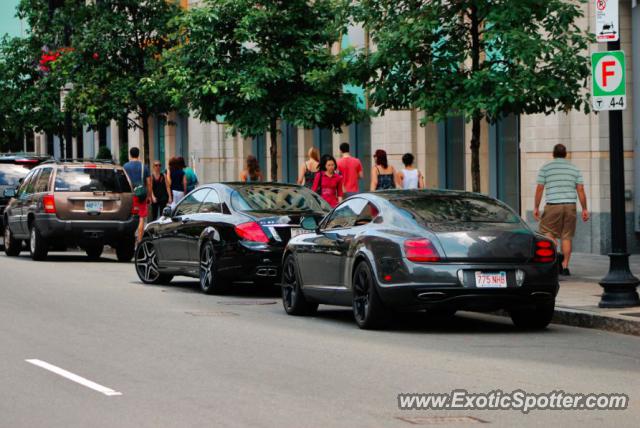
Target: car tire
(146, 262)
(293, 299)
(125, 250)
(94, 251)
(12, 246)
(38, 247)
(368, 310)
(210, 281)
(536, 318)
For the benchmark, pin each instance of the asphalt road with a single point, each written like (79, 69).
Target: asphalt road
(172, 357)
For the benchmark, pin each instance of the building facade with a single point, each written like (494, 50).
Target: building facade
(512, 150)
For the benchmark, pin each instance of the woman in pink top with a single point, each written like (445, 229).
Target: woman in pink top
(327, 183)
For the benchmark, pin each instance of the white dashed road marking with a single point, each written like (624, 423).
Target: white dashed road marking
(74, 377)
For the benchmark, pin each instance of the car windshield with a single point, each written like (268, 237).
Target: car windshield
(277, 198)
(10, 174)
(81, 179)
(456, 209)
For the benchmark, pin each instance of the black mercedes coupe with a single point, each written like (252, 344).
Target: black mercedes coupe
(228, 232)
(414, 250)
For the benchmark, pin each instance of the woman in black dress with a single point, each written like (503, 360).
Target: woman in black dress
(160, 191)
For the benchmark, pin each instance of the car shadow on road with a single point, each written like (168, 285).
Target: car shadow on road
(420, 322)
(62, 257)
(236, 290)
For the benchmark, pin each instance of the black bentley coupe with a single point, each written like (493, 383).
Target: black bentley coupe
(414, 250)
(228, 232)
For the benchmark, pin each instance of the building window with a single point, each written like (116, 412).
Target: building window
(289, 153)
(259, 150)
(323, 141)
(360, 145)
(504, 161)
(159, 146)
(451, 153)
(182, 138)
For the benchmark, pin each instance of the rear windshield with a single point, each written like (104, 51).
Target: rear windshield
(456, 209)
(10, 174)
(79, 179)
(264, 197)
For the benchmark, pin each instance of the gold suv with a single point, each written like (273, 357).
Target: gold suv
(70, 203)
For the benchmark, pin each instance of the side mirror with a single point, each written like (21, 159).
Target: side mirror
(309, 223)
(20, 180)
(166, 212)
(9, 193)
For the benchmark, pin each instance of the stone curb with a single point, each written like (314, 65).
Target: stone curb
(586, 319)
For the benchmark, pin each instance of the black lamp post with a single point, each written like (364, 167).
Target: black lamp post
(619, 284)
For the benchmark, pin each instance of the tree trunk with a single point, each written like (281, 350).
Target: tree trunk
(475, 153)
(273, 149)
(145, 135)
(475, 132)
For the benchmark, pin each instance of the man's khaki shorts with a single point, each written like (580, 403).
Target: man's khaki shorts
(559, 221)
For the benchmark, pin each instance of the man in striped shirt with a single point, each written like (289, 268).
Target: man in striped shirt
(563, 184)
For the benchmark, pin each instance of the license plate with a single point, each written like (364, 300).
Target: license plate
(93, 206)
(491, 279)
(298, 231)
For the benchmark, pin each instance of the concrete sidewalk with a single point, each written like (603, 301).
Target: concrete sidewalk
(577, 301)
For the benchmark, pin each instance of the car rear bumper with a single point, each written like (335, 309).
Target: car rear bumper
(52, 227)
(419, 297)
(254, 263)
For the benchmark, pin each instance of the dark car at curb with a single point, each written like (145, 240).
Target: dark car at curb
(421, 250)
(226, 232)
(13, 169)
(72, 203)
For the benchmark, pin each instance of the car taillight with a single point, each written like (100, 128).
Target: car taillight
(251, 232)
(421, 251)
(49, 204)
(545, 252)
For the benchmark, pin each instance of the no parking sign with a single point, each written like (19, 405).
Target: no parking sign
(609, 87)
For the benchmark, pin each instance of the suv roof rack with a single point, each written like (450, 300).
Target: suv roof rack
(80, 160)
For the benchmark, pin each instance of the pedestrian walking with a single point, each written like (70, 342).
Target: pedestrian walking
(351, 170)
(309, 168)
(251, 173)
(141, 180)
(563, 184)
(383, 176)
(409, 177)
(177, 180)
(328, 183)
(192, 178)
(160, 191)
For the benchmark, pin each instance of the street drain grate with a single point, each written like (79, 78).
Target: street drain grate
(631, 314)
(212, 314)
(247, 302)
(441, 420)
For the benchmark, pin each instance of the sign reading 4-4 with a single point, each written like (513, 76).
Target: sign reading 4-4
(609, 88)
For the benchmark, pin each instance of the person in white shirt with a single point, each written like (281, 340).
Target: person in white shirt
(409, 177)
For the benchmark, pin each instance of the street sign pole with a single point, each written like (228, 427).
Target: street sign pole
(619, 284)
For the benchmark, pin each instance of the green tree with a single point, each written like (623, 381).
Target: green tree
(479, 58)
(258, 62)
(30, 96)
(116, 49)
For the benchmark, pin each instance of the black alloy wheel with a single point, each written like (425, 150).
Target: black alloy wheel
(210, 283)
(293, 298)
(536, 318)
(94, 251)
(38, 246)
(12, 246)
(368, 310)
(125, 250)
(146, 261)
